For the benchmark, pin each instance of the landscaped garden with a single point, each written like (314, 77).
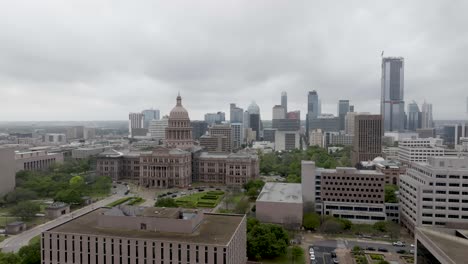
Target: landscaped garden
(208, 199)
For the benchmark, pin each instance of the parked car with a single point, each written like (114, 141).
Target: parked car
(174, 195)
(382, 249)
(411, 251)
(401, 251)
(312, 257)
(335, 261)
(370, 249)
(333, 254)
(399, 244)
(311, 250)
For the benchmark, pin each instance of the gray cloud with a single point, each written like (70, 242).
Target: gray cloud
(97, 60)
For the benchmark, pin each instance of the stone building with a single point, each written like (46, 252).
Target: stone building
(179, 130)
(36, 160)
(57, 209)
(130, 234)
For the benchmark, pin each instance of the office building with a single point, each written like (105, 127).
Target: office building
(392, 104)
(419, 149)
(453, 133)
(414, 116)
(294, 115)
(223, 130)
(88, 151)
(157, 129)
(280, 203)
(75, 132)
(89, 133)
(284, 101)
(215, 118)
(236, 114)
(255, 119)
(351, 108)
(426, 132)
(130, 234)
(246, 120)
(316, 138)
(148, 116)
(357, 195)
(269, 134)
(325, 122)
(36, 160)
(54, 138)
(426, 116)
(392, 169)
(337, 139)
(312, 108)
(237, 135)
(214, 143)
(286, 124)
(279, 112)
(287, 140)
(349, 121)
(179, 130)
(343, 109)
(440, 245)
(368, 132)
(199, 128)
(435, 193)
(135, 120)
(7, 170)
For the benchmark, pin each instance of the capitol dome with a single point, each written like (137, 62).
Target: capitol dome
(378, 160)
(179, 112)
(253, 108)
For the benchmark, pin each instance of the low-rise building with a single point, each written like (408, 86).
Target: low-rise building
(419, 149)
(56, 210)
(147, 235)
(54, 138)
(15, 228)
(36, 160)
(88, 151)
(280, 203)
(287, 140)
(440, 245)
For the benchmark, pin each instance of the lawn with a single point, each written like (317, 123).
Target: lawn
(286, 259)
(209, 199)
(120, 201)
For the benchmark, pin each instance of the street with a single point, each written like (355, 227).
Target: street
(14, 243)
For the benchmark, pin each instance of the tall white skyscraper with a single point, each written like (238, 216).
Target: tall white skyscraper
(157, 128)
(135, 120)
(426, 116)
(392, 104)
(284, 101)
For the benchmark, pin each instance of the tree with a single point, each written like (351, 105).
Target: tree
(346, 223)
(380, 226)
(166, 202)
(252, 193)
(77, 183)
(266, 241)
(9, 258)
(30, 254)
(332, 225)
(390, 196)
(70, 196)
(20, 194)
(311, 221)
(309, 207)
(242, 206)
(25, 210)
(296, 252)
(257, 184)
(383, 262)
(229, 199)
(102, 184)
(292, 178)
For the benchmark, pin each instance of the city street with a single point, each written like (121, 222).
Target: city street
(14, 243)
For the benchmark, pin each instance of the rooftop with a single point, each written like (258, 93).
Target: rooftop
(281, 192)
(215, 229)
(447, 240)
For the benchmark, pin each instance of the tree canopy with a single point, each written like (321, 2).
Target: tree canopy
(311, 221)
(390, 196)
(265, 241)
(25, 210)
(166, 202)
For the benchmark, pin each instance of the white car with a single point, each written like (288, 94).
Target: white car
(312, 257)
(398, 244)
(311, 251)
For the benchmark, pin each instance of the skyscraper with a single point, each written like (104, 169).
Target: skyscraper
(148, 115)
(312, 108)
(279, 112)
(392, 104)
(367, 143)
(254, 119)
(135, 120)
(343, 109)
(284, 101)
(426, 116)
(215, 118)
(413, 116)
(236, 114)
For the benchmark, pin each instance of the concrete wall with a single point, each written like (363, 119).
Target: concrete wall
(7, 170)
(279, 212)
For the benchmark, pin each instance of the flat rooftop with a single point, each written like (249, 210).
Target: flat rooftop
(446, 240)
(215, 229)
(281, 192)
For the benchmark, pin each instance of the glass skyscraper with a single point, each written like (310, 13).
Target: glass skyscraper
(392, 104)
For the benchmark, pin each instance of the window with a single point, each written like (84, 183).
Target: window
(143, 226)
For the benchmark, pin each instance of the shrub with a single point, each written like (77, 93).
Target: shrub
(376, 256)
(215, 193)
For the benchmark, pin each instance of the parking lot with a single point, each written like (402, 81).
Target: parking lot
(322, 255)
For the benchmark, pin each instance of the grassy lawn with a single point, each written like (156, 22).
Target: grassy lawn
(209, 199)
(120, 201)
(35, 239)
(286, 259)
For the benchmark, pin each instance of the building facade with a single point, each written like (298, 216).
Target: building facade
(131, 235)
(157, 128)
(199, 128)
(215, 118)
(179, 130)
(392, 104)
(287, 140)
(135, 120)
(368, 132)
(8, 170)
(236, 114)
(149, 115)
(223, 130)
(343, 109)
(419, 149)
(36, 160)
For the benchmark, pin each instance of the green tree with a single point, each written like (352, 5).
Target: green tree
(242, 206)
(70, 196)
(296, 253)
(166, 202)
(20, 194)
(30, 254)
(383, 262)
(292, 178)
(9, 258)
(311, 221)
(257, 184)
(252, 193)
(332, 226)
(346, 223)
(77, 183)
(102, 184)
(266, 241)
(25, 210)
(390, 196)
(380, 226)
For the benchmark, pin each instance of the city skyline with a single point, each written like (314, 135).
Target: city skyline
(101, 80)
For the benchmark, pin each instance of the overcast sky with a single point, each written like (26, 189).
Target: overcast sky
(99, 60)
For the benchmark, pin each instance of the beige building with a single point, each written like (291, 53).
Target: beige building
(179, 130)
(130, 235)
(7, 170)
(316, 138)
(36, 160)
(280, 203)
(56, 210)
(367, 142)
(225, 131)
(166, 168)
(214, 143)
(440, 245)
(89, 151)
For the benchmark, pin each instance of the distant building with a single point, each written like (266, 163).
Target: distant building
(53, 138)
(414, 116)
(135, 120)
(316, 138)
(214, 143)
(349, 121)
(313, 109)
(343, 109)
(286, 124)
(453, 133)
(237, 135)
(199, 128)
(419, 149)
(294, 115)
(7, 170)
(75, 132)
(149, 115)
(88, 151)
(325, 122)
(255, 119)
(157, 128)
(392, 94)
(426, 132)
(284, 101)
(36, 160)
(426, 116)
(287, 140)
(279, 112)
(367, 143)
(215, 118)
(89, 133)
(280, 203)
(269, 134)
(147, 235)
(337, 139)
(223, 130)
(236, 114)
(179, 130)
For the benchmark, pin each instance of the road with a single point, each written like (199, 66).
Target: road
(14, 243)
